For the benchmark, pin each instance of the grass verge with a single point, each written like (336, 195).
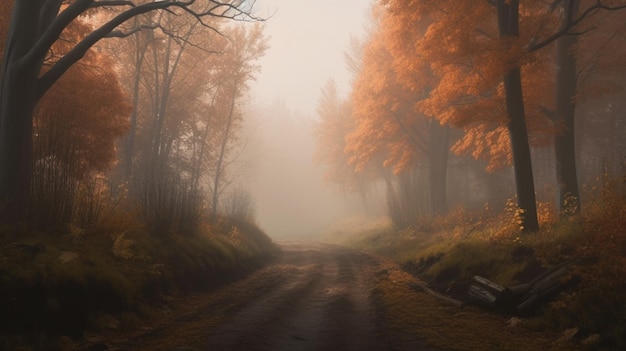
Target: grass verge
(588, 313)
(54, 286)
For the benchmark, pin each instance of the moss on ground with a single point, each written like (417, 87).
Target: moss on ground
(64, 285)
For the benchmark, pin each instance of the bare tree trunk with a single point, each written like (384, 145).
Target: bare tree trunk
(158, 153)
(508, 25)
(129, 141)
(162, 100)
(200, 154)
(565, 145)
(219, 170)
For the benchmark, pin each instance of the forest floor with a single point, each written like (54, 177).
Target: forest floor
(585, 309)
(321, 297)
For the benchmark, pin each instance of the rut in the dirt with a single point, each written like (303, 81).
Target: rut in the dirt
(321, 303)
(313, 297)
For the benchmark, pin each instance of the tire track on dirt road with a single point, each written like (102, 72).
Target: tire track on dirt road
(313, 297)
(324, 307)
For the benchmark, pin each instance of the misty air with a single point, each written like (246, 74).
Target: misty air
(292, 175)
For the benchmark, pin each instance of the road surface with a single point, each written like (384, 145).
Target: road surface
(314, 297)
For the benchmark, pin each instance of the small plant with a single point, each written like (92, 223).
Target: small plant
(239, 206)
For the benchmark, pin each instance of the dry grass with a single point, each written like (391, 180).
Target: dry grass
(463, 244)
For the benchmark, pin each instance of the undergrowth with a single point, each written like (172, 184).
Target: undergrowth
(112, 276)
(461, 245)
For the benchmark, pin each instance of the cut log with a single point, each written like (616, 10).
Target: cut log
(519, 298)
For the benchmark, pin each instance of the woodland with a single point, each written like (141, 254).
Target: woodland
(462, 101)
(496, 130)
(119, 135)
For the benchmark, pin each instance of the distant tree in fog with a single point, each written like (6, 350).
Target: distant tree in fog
(238, 63)
(334, 122)
(188, 84)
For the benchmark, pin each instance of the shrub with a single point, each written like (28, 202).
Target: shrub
(239, 206)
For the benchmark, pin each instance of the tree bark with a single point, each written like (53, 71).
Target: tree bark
(564, 144)
(508, 25)
(17, 102)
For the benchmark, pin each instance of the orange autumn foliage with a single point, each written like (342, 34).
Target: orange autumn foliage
(80, 119)
(452, 50)
(387, 126)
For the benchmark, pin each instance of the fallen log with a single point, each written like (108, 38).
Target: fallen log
(518, 298)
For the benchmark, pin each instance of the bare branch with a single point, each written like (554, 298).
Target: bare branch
(124, 34)
(79, 6)
(54, 30)
(571, 22)
(102, 3)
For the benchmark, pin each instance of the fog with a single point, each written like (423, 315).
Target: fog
(307, 41)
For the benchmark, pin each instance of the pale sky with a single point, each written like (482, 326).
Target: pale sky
(307, 42)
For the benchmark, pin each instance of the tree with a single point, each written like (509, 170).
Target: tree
(389, 124)
(564, 143)
(589, 58)
(243, 49)
(35, 26)
(330, 130)
(508, 27)
(483, 62)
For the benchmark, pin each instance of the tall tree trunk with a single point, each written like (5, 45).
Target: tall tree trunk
(159, 151)
(141, 47)
(221, 160)
(156, 153)
(18, 96)
(508, 25)
(564, 144)
(198, 157)
(438, 167)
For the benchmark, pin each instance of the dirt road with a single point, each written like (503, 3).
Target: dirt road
(314, 297)
(322, 302)
(323, 297)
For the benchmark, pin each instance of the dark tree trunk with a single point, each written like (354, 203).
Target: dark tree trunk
(18, 102)
(18, 96)
(438, 167)
(508, 25)
(564, 144)
(523, 170)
